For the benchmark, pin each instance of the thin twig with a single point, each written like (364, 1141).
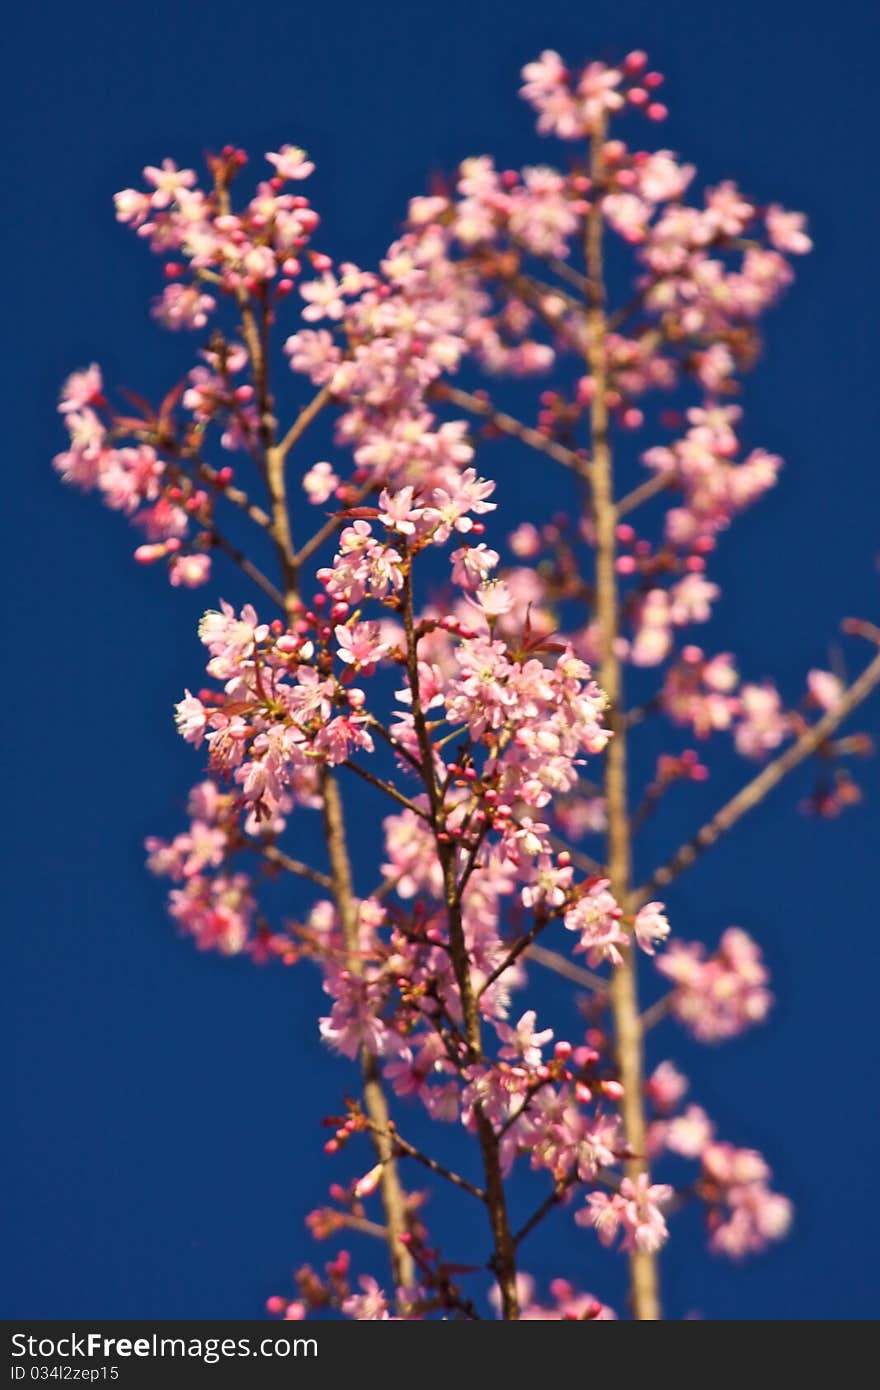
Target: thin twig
(514, 954)
(387, 788)
(560, 965)
(304, 419)
(455, 1178)
(657, 1012)
(506, 424)
(649, 488)
(247, 567)
(754, 792)
(295, 866)
(549, 1202)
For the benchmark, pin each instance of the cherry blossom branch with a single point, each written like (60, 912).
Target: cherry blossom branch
(623, 992)
(503, 1262)
(281, 530)
(755, 791)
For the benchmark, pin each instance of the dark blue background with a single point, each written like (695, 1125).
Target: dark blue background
(163, 1135)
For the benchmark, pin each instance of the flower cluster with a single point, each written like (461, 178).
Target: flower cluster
(720, 995)
(743, 1214)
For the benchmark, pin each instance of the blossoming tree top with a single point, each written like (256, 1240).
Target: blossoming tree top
(471, 690)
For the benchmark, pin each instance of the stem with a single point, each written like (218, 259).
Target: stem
(623, 986)
(393, 1199)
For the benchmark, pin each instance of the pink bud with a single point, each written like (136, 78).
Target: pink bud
(656, 111)
(146, 554)
(369, 1182)
(613, 1090)
(635, 62)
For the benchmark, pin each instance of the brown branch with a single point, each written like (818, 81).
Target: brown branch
(754, 792)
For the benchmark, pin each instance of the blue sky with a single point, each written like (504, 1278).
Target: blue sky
(163, 1136)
